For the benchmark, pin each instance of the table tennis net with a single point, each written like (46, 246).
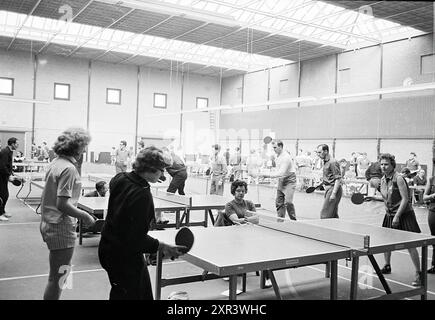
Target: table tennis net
(305, 229)
(172, 197)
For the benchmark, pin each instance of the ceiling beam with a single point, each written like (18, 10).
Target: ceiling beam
(100, 32)
(24, 22)
(131, 37)
(66, 24)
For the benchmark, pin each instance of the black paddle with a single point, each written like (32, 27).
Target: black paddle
(98, 226)
(16, 182)
(185, 238)
(312, 189)
(358, 198)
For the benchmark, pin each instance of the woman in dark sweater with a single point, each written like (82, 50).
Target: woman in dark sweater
(124, 238)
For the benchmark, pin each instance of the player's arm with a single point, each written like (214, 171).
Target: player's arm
(404, 194)
(337, 175)
(64, 205)
(427, 196)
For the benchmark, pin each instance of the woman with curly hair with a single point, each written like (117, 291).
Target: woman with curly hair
(399, 212)
(59, 213)
(124, 238)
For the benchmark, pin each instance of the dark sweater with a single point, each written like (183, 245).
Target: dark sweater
(6, 162)
(130, 211)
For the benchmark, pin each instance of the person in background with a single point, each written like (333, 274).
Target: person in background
(39, 154)
(354, 161)
(286, 174)
(101, 189)
(332, 183)
(121, 157)
(19, 158)
(227, 156)
(253, 165)
(33, 149)
(59, 212)
(343, 167)
(130, 158)
(363, 163)
(420, 180)
(5, 175)
(406, 173)
(113, 156)
(399, 212)
(45, 152)
(218, 171)
(373, 175)
(429, 199)
(412, 164)
(236, 162)
(125, 238)
(178, 171)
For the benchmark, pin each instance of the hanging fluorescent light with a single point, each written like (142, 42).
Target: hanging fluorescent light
(414, 87)
(23, 100)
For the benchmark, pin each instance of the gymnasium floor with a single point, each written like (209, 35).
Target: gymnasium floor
(23, 273)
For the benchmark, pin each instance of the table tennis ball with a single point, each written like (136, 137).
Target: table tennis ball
(178, 295)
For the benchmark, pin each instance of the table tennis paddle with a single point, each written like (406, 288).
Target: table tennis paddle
(98, 226)
(185, 237)
(267, 140)
(16, 182)
(358, 198)
(312, 189)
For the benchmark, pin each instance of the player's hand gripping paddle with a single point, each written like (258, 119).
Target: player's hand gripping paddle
(16, 182)
(185, 238)
(358, 198)
(98, 225)
(312, 189)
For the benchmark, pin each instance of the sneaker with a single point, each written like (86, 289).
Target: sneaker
(3, 218)
(417, 281)
(386, 269)
(226, 278)
(7, 215)
(267, 283)
(431, 270)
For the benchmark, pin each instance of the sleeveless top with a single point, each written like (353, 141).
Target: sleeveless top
(391, 194)
(431, 204)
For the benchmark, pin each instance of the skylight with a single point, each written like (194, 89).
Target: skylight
(314, 21)
(79, 35)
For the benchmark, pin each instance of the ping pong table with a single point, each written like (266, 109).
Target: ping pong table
(86, 185)
(164, 201)
(275, 245)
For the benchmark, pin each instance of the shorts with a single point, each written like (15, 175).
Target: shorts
(58, 236)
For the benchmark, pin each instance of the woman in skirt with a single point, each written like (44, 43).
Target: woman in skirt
(59, 208)
(429, 198)
(399, 212)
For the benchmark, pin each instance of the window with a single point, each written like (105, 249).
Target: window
(427, 64)
(201, 103)
(113, 96)
(160, 100)
(283, 87)
(7, 86)
(344, 76)
(61, 91)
